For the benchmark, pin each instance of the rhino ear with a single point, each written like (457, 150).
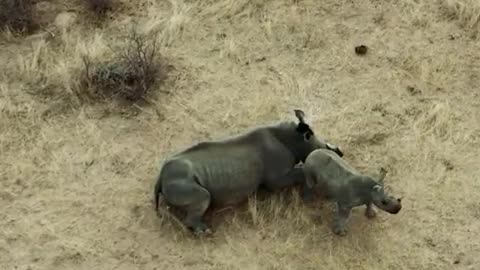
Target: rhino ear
(307, 135)
(303, 127)
(300, 115)
(381, 177)
(377, 188)
(305, 130)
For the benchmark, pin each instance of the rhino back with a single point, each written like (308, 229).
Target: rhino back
(228, 171)
(234, 167)
(331, 172)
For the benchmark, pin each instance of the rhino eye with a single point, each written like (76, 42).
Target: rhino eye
(307, 135)
(384, 202)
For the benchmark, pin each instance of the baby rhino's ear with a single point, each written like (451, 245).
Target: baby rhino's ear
(381, 176)
(377, 188)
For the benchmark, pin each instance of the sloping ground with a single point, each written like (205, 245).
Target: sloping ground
(77, 184)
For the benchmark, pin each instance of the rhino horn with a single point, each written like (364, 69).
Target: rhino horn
(334, 148)
(300, 115)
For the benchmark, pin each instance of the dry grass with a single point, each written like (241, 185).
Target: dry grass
(76, 188)
(18, 16)
(467, 12)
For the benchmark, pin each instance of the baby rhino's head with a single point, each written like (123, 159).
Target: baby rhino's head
(383, 200)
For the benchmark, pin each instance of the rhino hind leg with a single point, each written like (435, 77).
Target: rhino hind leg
(194, 200)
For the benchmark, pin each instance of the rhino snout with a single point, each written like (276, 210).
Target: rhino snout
(395, 209)
(389, 205)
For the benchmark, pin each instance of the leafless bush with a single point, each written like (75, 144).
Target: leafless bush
(130, 75)
(18, 15)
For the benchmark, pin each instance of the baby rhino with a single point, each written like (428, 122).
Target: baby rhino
(337, 181)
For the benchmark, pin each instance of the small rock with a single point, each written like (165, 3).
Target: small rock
(448, 165)
(361, 50)
(429, 241)
(413, 91)
(458, 258)
(65, 19)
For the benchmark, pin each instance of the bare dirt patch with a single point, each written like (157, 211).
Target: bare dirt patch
(76, 188)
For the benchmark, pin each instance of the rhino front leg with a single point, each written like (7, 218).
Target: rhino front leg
(308, 188)
(192, 198)
(370, 212)
(341, 218)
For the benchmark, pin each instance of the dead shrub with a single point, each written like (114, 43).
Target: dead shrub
(130, 75)
(18, 16)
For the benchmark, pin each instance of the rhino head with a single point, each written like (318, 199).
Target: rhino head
(382, 200)
(300, 139)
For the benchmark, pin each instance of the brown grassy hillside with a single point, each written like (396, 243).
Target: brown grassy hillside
(77, 171)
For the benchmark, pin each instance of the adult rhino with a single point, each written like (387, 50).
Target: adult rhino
(226, 172)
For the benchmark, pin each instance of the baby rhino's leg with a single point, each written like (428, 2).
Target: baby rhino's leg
(370, 212)
(341, 218)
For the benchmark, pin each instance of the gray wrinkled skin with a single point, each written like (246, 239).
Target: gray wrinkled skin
(226, 172)
(339, 182)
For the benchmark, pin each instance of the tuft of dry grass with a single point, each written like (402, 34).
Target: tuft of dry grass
(466, 11)
(18, 16)
(130, 75)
